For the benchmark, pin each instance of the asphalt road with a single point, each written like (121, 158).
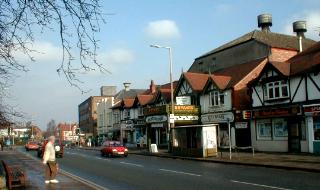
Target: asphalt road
(145, 172)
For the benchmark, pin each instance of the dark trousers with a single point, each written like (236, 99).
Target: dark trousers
(51, 170)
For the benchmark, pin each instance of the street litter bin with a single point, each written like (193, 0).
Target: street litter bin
(154, 148)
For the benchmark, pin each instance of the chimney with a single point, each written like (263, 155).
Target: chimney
(300, 27)
(126, 86)
(265, 22)
(152, 87)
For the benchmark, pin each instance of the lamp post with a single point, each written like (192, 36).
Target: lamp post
(171, 88)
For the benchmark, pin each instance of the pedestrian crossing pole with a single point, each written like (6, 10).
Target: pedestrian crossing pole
(230, 148)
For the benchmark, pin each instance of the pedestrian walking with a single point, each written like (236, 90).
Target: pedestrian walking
(49, 160)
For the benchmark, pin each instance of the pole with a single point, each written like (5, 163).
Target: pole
(172, 100)
(230, 150)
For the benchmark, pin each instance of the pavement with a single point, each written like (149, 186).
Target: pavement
(34, 170)
(289, 161)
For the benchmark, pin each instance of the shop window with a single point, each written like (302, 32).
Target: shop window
(280, 128)
(316, 128)
(216, 98)
(264, 129)
(276, 90)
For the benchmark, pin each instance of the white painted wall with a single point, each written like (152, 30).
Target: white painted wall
(103, 114)
(313, 92)
(205, 105)
(258, 92)
(301, 93)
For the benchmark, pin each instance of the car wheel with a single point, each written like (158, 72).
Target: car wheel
(125, 156)
(27, 149)
(109, 155)
(103, 154)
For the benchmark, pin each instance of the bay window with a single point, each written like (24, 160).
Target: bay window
(276, 90)
(216, 98)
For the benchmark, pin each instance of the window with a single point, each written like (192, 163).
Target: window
(216, 98)
(316, 128)
(140, 111)
(276, 90)
(264, 129)
(280, 128)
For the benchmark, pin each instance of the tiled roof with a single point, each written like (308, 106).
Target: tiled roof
(269, 38)
(128, 102)
(221, 81)
(168, 85)
(197, 81)
(131, 93)
(144, 99)
(283, 67)
(231, 76)
(306, 60)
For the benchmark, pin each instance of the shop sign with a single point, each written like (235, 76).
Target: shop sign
(217, 118)
(156, 119)
(276, 112)
(241, 125)
(183, 100)
(312, 109)
(158, 110)
(156, 125)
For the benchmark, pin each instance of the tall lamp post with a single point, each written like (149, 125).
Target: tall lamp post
(171, 88)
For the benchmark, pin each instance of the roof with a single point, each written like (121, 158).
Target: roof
(128, 102)
(306, 60)
(269, 38)
(197, 81)
(144, 99)
(131, 93)
(229, 77)
(282, 67)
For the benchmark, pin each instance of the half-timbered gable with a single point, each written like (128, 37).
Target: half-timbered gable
(191, 85)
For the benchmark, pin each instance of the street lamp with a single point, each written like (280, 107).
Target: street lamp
(171, 85)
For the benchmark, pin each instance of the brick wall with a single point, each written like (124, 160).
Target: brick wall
(278, 54)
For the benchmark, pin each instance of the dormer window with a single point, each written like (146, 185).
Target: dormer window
(216, 98)
(276, 90)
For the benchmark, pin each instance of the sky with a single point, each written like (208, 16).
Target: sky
(190, 27)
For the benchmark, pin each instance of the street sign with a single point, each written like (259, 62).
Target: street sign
(171, 118)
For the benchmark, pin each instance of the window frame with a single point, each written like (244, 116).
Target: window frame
(216, 100)
(275, 90)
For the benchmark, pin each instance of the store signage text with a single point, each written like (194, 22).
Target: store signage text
(217, 118)
(156, 119)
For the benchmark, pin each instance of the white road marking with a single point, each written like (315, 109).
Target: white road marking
(132, 164)
(259, 185)
(179, 172)
(103, 159)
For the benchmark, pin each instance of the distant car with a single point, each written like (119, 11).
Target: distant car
(31, 145)
(113, 148)
(58, 146)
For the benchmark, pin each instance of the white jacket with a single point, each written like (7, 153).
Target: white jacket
(49, 153)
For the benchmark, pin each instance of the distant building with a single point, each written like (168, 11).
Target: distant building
(66, 132)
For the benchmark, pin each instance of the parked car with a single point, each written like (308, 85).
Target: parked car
(31, 145)
(58, 146)
(113, 148)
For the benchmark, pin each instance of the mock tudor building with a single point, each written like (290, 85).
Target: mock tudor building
(224, 99)
(285, 101)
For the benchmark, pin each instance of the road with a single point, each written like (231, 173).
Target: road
(145, 172)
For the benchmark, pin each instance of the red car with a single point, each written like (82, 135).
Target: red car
(31, 145)
(114, 148)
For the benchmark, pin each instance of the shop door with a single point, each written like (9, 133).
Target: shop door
(294, 133)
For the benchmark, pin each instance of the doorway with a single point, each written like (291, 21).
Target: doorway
(294, 135)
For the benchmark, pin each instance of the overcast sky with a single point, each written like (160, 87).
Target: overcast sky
(191, 27)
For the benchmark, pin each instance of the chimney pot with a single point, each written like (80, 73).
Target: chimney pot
(152, 87)
(126, 86)
(265, 22)
(300, 27)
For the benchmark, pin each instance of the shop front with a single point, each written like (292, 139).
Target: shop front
(127, 134)
(158, 129)
(223, 120)
(157, 122)
(279, 130)
(312, 114)
(140, 133)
